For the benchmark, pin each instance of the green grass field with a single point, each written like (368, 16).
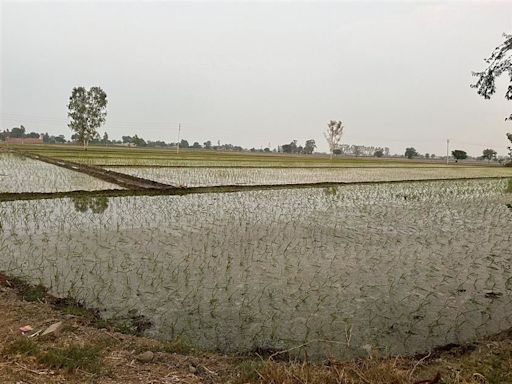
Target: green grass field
(118, 156)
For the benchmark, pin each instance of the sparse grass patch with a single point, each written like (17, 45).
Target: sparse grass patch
(73, 357)
(125, 327)
(495, 365)
(178, 345)
(130, 325)
(75, 310)
(368, 371)
(21, 346)
(69, 358)
(69, 306)
(27, 291)
(34, 293)
(102, 323)
(249, 370)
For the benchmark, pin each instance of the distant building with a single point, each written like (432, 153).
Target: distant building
(23, 140)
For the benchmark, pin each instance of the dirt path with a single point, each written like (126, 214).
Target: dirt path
(171, 190)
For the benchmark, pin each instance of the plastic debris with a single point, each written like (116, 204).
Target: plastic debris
(52, 328)
(26, 328)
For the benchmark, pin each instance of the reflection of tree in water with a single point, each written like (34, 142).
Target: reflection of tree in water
(509, 190)
(97, 204)
(330, 191)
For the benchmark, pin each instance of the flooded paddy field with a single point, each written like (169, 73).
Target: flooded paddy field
(211, 176)
(21, 174)
(397, 267)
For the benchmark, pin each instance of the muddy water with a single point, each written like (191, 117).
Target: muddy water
(400, 268)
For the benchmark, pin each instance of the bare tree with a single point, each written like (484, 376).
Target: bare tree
(333, 134)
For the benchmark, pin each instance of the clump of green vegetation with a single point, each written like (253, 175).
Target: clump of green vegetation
(126, 327)
(249, 370)
(102, 323)
(33, 293)
(495, 364)
(178, 345)
(330, 191)
(69, 358)
(133, 324)
(73, 357)
(122, 326)
(75, 310)
(27, 291)
(22, 346)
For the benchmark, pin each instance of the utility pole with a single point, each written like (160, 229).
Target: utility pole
(447, 150)
(178, 143)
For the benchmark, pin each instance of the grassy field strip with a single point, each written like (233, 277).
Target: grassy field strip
(98, 155)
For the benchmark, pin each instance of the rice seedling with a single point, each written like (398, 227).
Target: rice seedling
(204, 176)
(394, 268)
(20, 174)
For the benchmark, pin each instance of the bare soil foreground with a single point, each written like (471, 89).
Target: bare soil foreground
(81, 348)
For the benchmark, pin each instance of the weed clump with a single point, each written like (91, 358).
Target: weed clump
(70, 358)
(33, 293)
(133, 324)
(73, 357)
(177, 345)
(249, 370)
(22, 346)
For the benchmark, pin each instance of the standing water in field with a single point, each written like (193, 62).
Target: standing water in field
(398, 267)
(203, 176)
(20, 174)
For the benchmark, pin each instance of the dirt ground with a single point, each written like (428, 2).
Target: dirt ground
(85, 349)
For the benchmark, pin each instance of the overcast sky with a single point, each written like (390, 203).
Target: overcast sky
(397, 74)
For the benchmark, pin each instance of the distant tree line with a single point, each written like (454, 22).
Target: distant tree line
(21, 133)
(458, 154)
(140, 142)
(293, 147)
(307, 149)
(18, 132)
(361, 150)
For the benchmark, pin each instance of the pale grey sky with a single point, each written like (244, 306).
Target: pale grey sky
(397, 74)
